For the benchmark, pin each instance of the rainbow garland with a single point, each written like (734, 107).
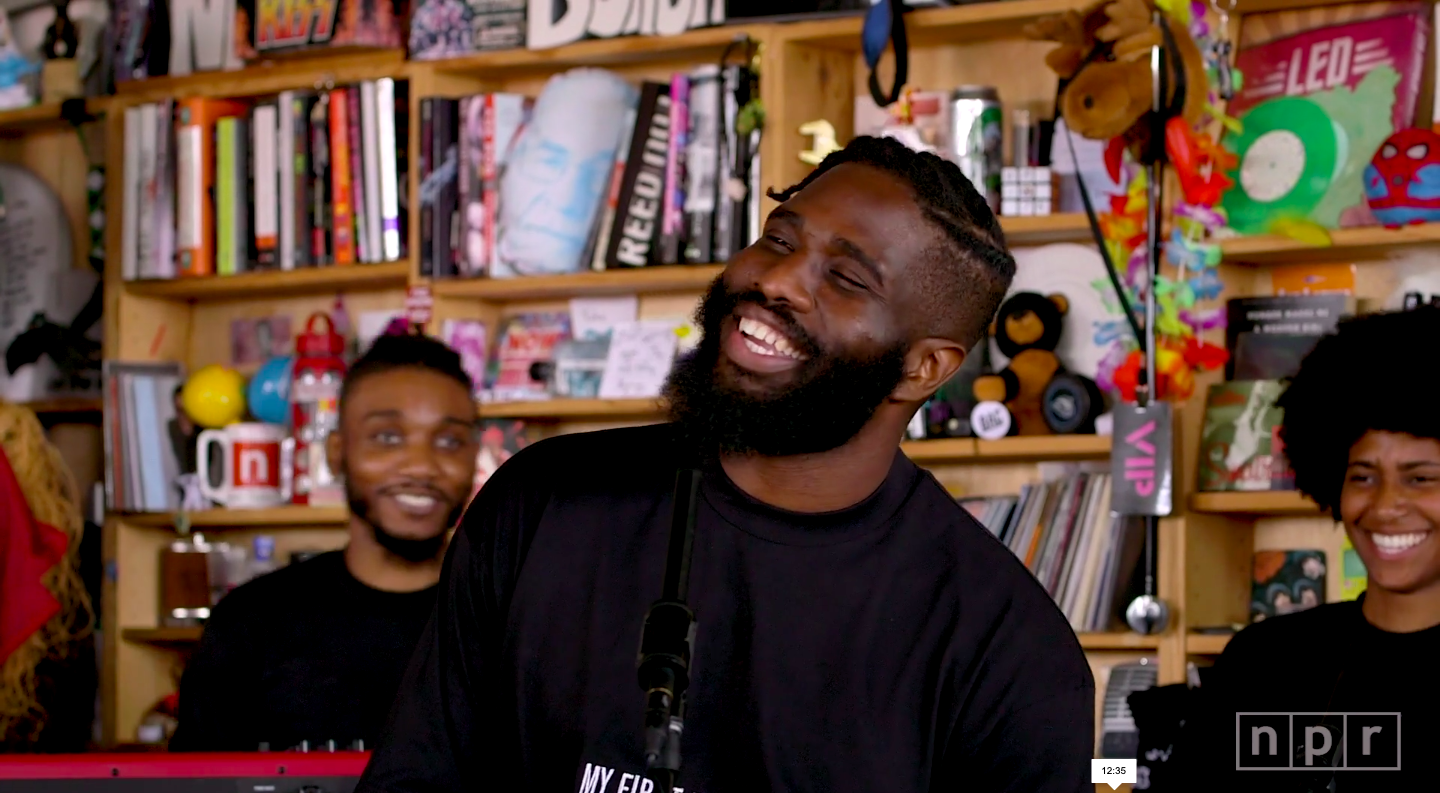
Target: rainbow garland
(1180, 352)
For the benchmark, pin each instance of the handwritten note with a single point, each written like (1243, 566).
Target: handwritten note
(641, 354)
(592, 317)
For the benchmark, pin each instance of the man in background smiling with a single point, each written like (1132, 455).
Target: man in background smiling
(314, 651)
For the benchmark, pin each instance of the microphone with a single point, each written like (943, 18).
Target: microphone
(666, 642)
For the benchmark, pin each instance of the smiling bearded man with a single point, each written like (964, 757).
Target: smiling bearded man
(858, 630)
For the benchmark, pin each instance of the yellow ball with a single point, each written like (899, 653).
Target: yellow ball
(214, 396)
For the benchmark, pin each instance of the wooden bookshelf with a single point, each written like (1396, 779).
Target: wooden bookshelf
(704, 44)
(1118, 641)
(643, 280)
(810, 70)
(1206, 643)
(939, 26)
(162, 636)
(65, 406)
(296, 516)
(1268, 502)
(1359, 244)
(277, 283)
(1045, 447)
(44, 117)
(272, 76)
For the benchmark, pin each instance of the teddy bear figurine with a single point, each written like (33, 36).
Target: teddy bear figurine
(1042, 397)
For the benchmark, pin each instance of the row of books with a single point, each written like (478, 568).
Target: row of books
(148, 442)
(683, 186)
(1064, 532)
(307, 178)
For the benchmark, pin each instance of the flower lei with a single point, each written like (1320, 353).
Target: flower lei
(1179, 352)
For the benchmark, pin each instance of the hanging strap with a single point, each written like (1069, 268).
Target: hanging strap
(885, 24)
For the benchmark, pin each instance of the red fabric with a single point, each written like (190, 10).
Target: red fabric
(28, 549)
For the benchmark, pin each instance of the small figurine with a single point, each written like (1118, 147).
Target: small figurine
(823, 134)
(1402, 181)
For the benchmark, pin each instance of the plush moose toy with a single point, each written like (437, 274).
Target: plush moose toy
(1103, 62)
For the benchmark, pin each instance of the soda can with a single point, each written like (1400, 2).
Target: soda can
(977, 137)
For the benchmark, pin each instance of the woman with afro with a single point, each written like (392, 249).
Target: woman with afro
(1362, 433)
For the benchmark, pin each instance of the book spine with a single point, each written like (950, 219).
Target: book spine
(490, 176)
(285, 168)
(389, 145)
(321, 242)
(729, 212)
(225, 208)
(267, 182)
(355, 111)
(427, 193)
(244, 196)
(600, 242)
(300, 178)
(342, 228)
(149, 184)
(672, 228)
(130, 221)
(702, 163)
(634, 233)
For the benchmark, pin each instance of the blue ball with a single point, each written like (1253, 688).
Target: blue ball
(269, 394)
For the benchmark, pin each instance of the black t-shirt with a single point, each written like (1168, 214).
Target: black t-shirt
(893, 646)
(305, 653)
(1326, 661)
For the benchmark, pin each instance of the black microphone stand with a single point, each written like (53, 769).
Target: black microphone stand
(666, 642)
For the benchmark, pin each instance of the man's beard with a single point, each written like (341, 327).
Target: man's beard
(831, 398)
(406, 548)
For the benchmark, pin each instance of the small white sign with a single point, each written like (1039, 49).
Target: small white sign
(1112, 772)
(990, 420)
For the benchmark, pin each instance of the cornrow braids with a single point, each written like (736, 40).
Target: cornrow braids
(964, 281)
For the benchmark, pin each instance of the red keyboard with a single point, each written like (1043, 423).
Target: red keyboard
(277, 772)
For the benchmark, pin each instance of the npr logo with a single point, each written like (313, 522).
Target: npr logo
(1312, 741)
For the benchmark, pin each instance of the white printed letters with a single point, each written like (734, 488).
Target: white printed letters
(547, 26)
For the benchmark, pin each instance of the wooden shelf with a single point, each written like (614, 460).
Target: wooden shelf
(1207, 643)
(1046, 447)
(65, 406)
(277, 283)
(1361, 244)
(1264, 502)
(24, 120)
(1118, 641)
(697, 277)
(246, 518)
(642, 280)
(940, 450)
(931, 26)
(1045, 229)
(573, 409)
(693, 44)
(272, 76)
(162, 635)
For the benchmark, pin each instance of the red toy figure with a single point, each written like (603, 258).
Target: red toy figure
(1402, 181)
(315, 410)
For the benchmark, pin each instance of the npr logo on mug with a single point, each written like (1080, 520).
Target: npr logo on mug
(1314, 741)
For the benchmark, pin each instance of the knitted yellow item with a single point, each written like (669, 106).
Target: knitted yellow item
(53, 498)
